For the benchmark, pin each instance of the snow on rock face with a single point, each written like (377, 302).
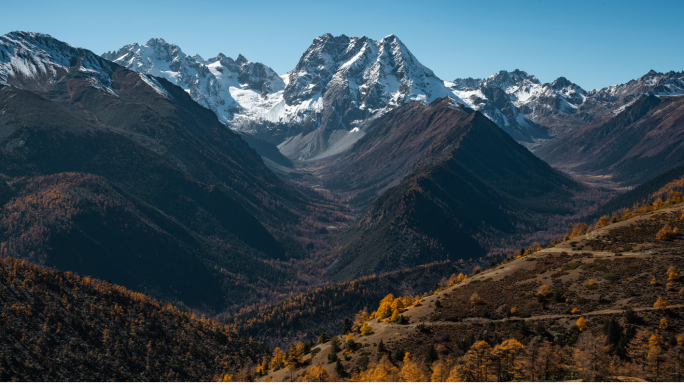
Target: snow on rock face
(340, 83)
(224, 85)
(34, 60)
(499, 97)
(514, 99)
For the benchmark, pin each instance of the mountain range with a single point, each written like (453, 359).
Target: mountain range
(267, 199)
(341, 84)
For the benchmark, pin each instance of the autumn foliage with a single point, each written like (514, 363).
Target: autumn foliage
(61, 326)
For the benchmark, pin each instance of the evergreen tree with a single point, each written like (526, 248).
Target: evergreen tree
(431, 355)
(339, 369)
(616, 337)
(335, 345)
(591, 356)
(381, 347)
(346, 326)
(398, 354)
(332, 357)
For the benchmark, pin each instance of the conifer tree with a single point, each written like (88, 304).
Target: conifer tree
(335, 345)
(477, 362)
(440, 370)
(663, 324)
(431, 355)
(346, 326)
(365, 329)
(317, 373)
(381, 347)
(332, 357)
(637, 351)
(675, 362)
(339, 369)
(660, 304)
(591, 356)
(656, 356)
(508, 358)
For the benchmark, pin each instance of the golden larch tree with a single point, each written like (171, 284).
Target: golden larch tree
(543, 290)
(478, 361)
(317, 373)
(507, 358)
(663, 324)
(365, 329)
(410, 371)
(656, 356)
(637, 351)
(581, 324)
(660, 304)
(591, 356)
(441, 369)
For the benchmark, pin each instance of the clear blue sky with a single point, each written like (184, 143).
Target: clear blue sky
(593, 43)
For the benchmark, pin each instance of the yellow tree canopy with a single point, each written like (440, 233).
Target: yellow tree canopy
(398, 304)
(317, 373)
(365, 329)
(660, 304)
(603, 221)
(411, 373)
(663, 324)
(440, 370)
(582, 324)
(544, 290)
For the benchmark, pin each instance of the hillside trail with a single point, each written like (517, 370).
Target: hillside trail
(548, 316)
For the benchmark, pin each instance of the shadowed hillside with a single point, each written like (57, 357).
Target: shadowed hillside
(476, 185)
(59, 326)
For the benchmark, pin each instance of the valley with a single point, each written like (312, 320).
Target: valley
(180, 219)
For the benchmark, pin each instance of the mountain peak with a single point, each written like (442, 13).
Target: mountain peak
(32, 61)
(241, 60)
(561, 82)
(157, 41)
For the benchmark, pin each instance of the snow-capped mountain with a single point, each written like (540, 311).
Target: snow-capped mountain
(34, 60)
(496, 97)
(339, 85)
(561, 105)
(321, 106)
(223, 85)
(615, 98)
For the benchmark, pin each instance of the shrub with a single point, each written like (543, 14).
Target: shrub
(611, 277)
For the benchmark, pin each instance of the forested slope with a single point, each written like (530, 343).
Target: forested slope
(59, 326)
